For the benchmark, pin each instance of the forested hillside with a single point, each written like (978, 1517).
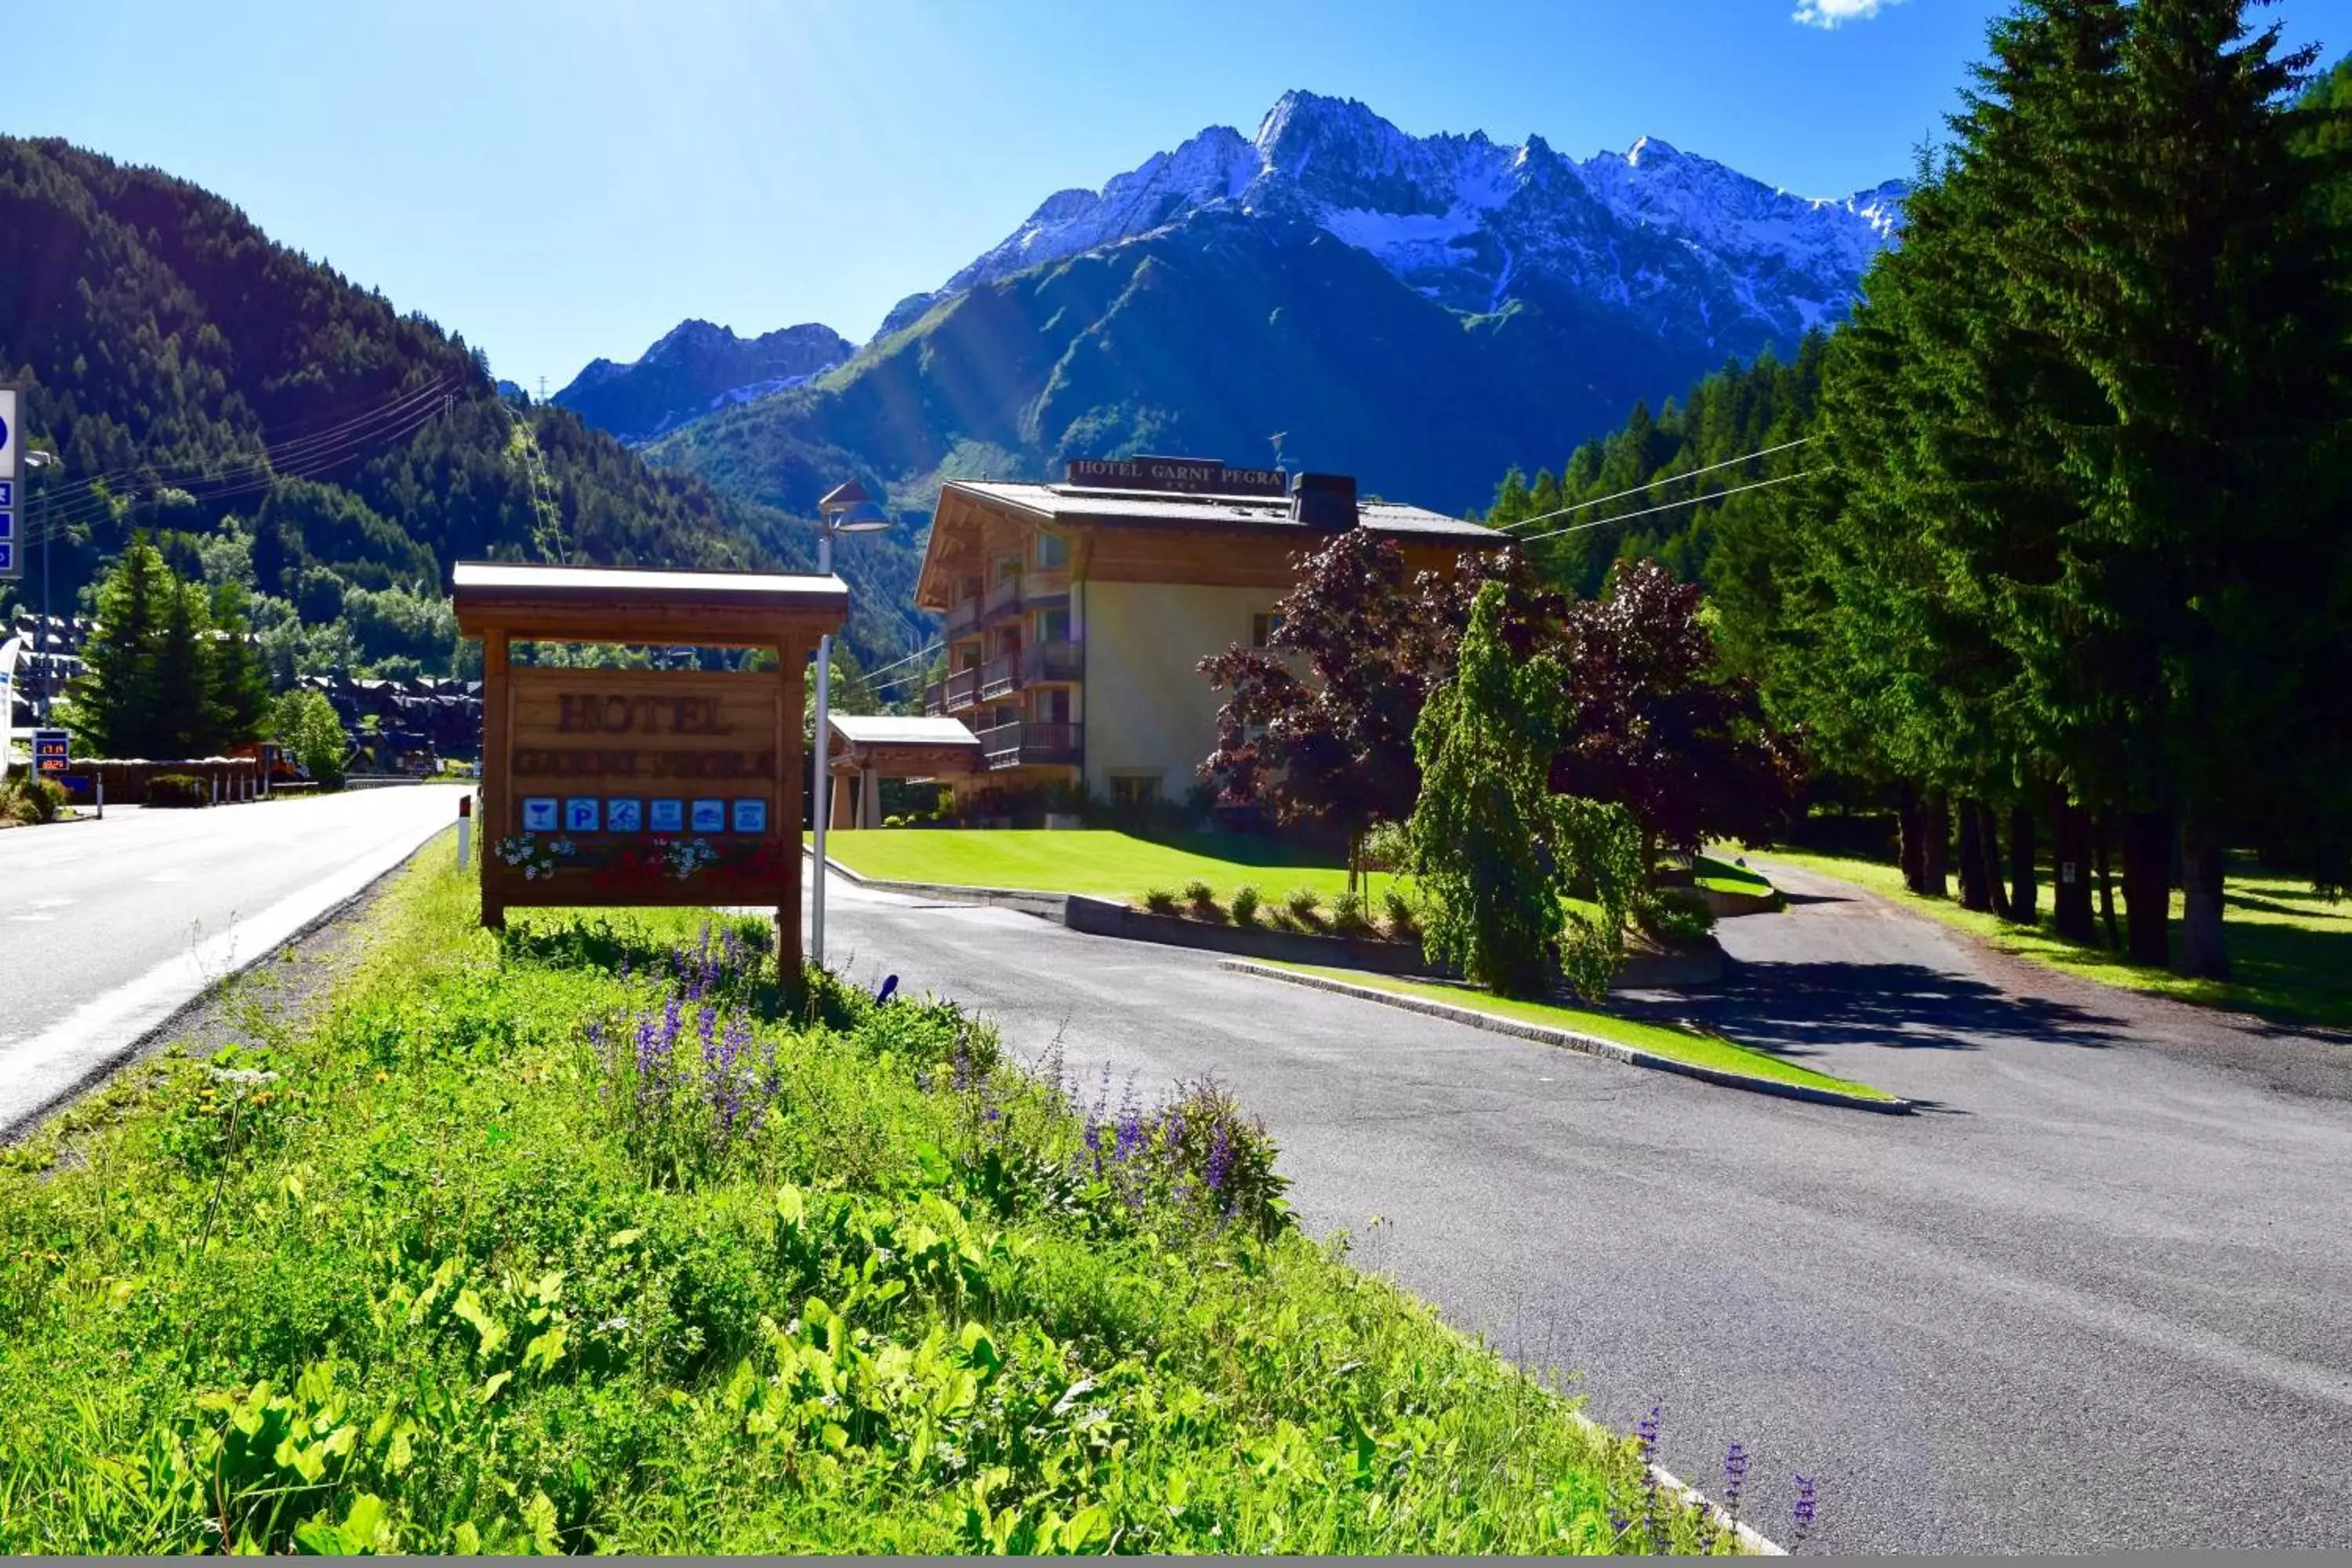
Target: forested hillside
(288, 434)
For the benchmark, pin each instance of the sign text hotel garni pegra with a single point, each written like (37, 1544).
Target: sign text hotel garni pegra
(641, 787)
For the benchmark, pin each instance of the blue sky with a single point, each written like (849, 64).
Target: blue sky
(559, 179)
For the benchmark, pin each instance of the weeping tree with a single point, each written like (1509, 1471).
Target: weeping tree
(1492, 849)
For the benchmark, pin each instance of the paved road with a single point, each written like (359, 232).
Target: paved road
(108, 927)
(2094, 1297)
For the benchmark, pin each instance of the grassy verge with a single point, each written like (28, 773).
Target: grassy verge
(2291, 948)
(1666, 1039)
(572, 1240)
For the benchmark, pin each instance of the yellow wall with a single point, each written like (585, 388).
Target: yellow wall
(1146, 707)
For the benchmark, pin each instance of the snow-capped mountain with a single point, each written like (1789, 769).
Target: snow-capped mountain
(697, 367)
(1424, 312)
(1699, 250)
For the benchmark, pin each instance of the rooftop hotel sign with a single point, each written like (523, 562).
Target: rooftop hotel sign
(1180, 476)
(644, 788)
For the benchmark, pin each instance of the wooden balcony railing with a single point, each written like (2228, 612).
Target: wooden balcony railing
(1030, 740)
(961, 617)
(1051, 661)
(958, 692)
(999, 675)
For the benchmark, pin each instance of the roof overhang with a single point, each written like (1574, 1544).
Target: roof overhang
(645, 605)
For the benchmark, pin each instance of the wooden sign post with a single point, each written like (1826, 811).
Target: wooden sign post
(642, 787)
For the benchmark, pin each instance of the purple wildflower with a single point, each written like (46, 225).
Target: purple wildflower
(1735, 1476)
(1647, 1432)
(1220, 1159)
(1800, 1516)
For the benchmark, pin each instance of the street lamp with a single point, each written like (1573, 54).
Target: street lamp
(845, 509)
(37, 461)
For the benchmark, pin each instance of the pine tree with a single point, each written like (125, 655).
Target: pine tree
(236, 690)
(2203, 292)
(180, 725)
(120, 693)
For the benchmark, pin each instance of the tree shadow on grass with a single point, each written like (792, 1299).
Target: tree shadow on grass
(1794, 1009)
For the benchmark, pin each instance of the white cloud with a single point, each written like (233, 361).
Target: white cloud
(1834, 13)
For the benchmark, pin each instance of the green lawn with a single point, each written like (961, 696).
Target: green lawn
(1666, 1040)
(1089, 860)
(1727, 877)
(2291, 950)
(576, 1239)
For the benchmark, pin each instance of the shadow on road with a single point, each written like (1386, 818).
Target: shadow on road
(1791, 1009)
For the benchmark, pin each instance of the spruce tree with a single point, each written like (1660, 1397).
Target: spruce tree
(2203, 288)
(180, 724)
(120, 692)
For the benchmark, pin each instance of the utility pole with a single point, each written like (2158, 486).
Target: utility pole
(37, 462)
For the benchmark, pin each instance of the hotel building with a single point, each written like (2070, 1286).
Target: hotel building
(1075, 614)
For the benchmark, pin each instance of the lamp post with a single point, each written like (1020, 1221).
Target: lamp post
(37, 461)
(845, 509)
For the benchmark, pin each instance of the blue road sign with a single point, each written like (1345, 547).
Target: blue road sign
(710, 817)
(8, 522)
(8, 557)
(751, 816)
(670, 816)
(539, 813)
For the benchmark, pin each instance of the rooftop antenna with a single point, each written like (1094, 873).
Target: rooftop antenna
(1276, 439)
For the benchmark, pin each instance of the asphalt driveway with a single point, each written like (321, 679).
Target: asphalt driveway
(2092, 1299)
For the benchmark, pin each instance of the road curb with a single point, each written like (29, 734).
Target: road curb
(1591, 1045)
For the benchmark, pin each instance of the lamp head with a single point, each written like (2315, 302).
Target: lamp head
(42, 460)
(841, 497)
(861, 517)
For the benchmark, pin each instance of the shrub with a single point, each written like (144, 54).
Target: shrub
(1679, 916)
(1305, 907)
(1404, 920)
(25, 798)
(178, 790)
(1159, 901)
(1203, 898)
(1244, 907)
(1349, 917)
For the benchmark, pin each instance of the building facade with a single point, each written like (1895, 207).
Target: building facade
(1076, 615)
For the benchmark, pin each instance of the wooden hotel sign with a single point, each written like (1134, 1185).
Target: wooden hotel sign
(644, 788)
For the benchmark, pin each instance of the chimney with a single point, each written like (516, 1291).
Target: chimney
(1324, 503)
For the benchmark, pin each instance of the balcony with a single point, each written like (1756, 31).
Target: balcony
(1048, 662)
(953, 695)
(999, 675)
(1030, 740)
(1042, 664)
(1013, 596)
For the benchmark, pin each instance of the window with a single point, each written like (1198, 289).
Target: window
(1262, 625)
(1053, 551)
(1053, 626)
(1009, 569)
(1134, 789)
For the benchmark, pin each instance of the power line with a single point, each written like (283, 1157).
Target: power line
(89, 508)
(1662, 480)
(390, 410)
(1669, 506)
